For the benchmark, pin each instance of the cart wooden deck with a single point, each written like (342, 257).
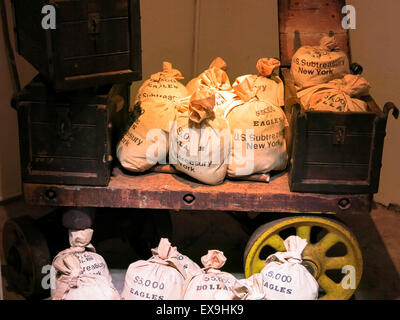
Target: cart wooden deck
(170, 191)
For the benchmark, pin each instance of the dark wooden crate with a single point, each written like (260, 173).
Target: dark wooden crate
(330, 152)
(95, 42)
(69, 138)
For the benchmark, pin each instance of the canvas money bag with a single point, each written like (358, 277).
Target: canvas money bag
(200, 139)
(146, 142)
(269, 87)
(80, 273)
(159, 278)
(210, 283)
(258, 132)
(215, 77)
(315, 65)
(339, 95)
(162, 86)
(250, 288)
(285, 278)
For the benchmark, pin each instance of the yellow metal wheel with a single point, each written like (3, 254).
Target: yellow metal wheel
(332, 255)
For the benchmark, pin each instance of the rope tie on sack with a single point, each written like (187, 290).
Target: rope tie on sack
(70, 273)
(81, 239)
(214, 259)
(250, 288)
(215, 78)
(266, 66)
(219, 63)
(168, 72)
(202, 105)
(294, 248)
(164, 255)
(329, 43)
(74, 277)
(246, 90)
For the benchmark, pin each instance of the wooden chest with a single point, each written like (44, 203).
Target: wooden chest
(70, 138)
(331, 152)
(95, 42)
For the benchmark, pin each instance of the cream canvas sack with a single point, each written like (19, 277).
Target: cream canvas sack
(339, 95)
(250, 288)
(186, 263)
(146, 142)
(269, 86)
(76, 285)
(200, 140)
(159, 278)
(258, 133)
(285, 278)
(214, 77)
(80, 273)
(162, 86)
(210, 283)
(315, 65)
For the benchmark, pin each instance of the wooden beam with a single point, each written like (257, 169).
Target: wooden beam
(176, 192)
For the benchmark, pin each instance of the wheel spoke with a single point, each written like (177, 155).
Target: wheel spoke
(328, 241)
(276, 242)
(304, 232)
(258, 265)
(332, 263)
(328, 284)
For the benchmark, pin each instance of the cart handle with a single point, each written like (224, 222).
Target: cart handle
(391, 106)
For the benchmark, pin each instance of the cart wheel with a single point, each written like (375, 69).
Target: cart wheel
(26, 252)
(331, 247)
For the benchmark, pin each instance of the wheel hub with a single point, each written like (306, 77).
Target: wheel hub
(312, 266)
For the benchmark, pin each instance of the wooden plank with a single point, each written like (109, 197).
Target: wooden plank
(169, 191)
(305, 22)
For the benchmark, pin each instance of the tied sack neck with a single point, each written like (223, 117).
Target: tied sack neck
(355, 85)
(350, 86)
(164, 250)
(67, 265)
(219, 63)
(329, 43)
(164, 255)
(201, 106)
(294, 248)
(167, 73)
(251, 288)
(215, 77)
(266, 66)
(71, 275)
(245, 89)
(79, 241)
(213, 260)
